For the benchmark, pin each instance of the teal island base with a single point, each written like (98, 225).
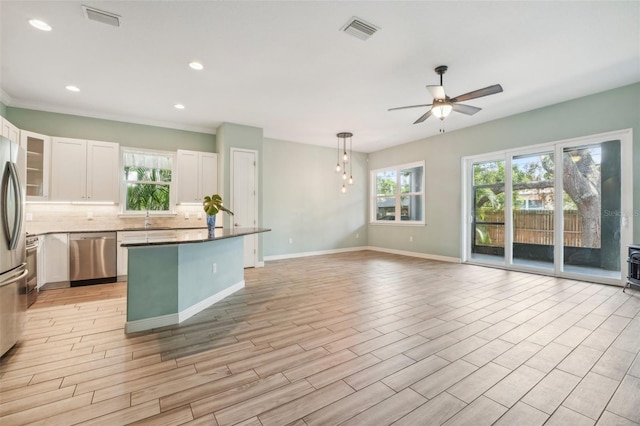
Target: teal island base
(170, 282)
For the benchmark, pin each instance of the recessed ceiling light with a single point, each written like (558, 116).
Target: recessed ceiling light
(72, 88)
(178, 106)
(196, 65)
(41, 25)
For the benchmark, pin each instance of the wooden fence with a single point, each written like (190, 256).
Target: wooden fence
(531, 227)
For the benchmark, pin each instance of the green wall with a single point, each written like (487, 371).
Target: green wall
(3, 110)
(300, 198)
(303, 201)
(126, 134)
(607, 111)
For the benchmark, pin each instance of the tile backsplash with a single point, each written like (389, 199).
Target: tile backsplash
(48, 217)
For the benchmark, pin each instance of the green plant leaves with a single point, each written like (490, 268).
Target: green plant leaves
(213, 204)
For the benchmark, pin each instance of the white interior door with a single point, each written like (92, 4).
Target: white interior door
(244, 196)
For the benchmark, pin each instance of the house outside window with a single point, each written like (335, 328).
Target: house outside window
(397, 194)
(147, 181)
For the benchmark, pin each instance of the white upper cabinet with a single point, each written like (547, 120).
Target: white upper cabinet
(84, 170)
(197, 176)
(102, 171)
(38, 148)
(68, 169)
(10, 131)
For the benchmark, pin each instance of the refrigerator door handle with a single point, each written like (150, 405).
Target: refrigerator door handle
(15, 277)
(13, 230)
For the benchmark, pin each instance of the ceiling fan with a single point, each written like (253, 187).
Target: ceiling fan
(443, 105)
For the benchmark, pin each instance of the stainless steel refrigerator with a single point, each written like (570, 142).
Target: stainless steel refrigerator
(13, 266)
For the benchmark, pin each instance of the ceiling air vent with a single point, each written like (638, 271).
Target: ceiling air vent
(359, 28)
(101, 16)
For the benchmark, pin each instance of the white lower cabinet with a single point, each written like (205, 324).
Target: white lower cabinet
(138, 237)
(56, 258)
(42, 277)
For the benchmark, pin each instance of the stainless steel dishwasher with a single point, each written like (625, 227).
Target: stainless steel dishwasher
(92, 258)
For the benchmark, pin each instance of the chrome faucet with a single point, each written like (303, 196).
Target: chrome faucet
(147, 222)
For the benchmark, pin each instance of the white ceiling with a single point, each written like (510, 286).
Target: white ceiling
(286, 66)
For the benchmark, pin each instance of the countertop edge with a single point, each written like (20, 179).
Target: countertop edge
(87, 231)
(227, 233)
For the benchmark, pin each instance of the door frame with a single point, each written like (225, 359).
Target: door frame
(232, 152)
(625, 136)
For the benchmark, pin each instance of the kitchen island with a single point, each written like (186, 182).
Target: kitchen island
(170, 281)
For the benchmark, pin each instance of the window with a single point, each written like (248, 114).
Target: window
(146, 181)
(398, 194)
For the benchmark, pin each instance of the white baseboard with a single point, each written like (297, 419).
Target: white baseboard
(420, 255)
(177, 318)
(380, 249)
(204, 304)
(149, 323)
(312, 253)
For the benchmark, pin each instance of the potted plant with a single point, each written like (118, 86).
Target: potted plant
(212, 205)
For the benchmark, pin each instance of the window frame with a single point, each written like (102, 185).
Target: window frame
(398, 194)
(172, 184)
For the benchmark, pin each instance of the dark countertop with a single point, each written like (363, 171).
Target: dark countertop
(221, 234)
(128, 229)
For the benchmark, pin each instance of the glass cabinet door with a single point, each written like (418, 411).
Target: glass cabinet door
(38, 157)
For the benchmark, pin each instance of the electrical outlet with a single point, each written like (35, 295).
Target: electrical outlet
(199, 215)
(29, 217)
(411, 239)
(357, 236)
(90, 215)
(186, 215)
(290, 240)
(214, 268)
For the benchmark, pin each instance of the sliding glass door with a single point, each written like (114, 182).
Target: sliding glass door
(487, 229)
(533, 209)
(592, 206)
(559, 209)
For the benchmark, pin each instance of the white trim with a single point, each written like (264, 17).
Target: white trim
(204, 304)
(110, 117)
(260, 264)
(416, 254)
(548, 273)
(5, 98)
(256, 187)
(373, 195)
(150, 323)
(313, 253)
(625, 136)
(364, 248)
(177, 318)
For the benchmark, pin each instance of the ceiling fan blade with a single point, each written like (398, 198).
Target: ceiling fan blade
(410, 106)
(465, 109)
(437, 92)
(423, 117)
(490, 90)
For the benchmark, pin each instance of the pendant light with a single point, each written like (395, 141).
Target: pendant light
(346, 158)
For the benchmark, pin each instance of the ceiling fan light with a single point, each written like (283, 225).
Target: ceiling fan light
(441, 110)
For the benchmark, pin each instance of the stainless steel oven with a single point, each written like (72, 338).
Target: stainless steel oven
(32, 267)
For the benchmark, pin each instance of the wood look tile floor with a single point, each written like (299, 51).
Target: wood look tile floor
(361, 338)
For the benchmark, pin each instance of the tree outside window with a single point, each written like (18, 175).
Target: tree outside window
(147, 180)
(399, 194)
